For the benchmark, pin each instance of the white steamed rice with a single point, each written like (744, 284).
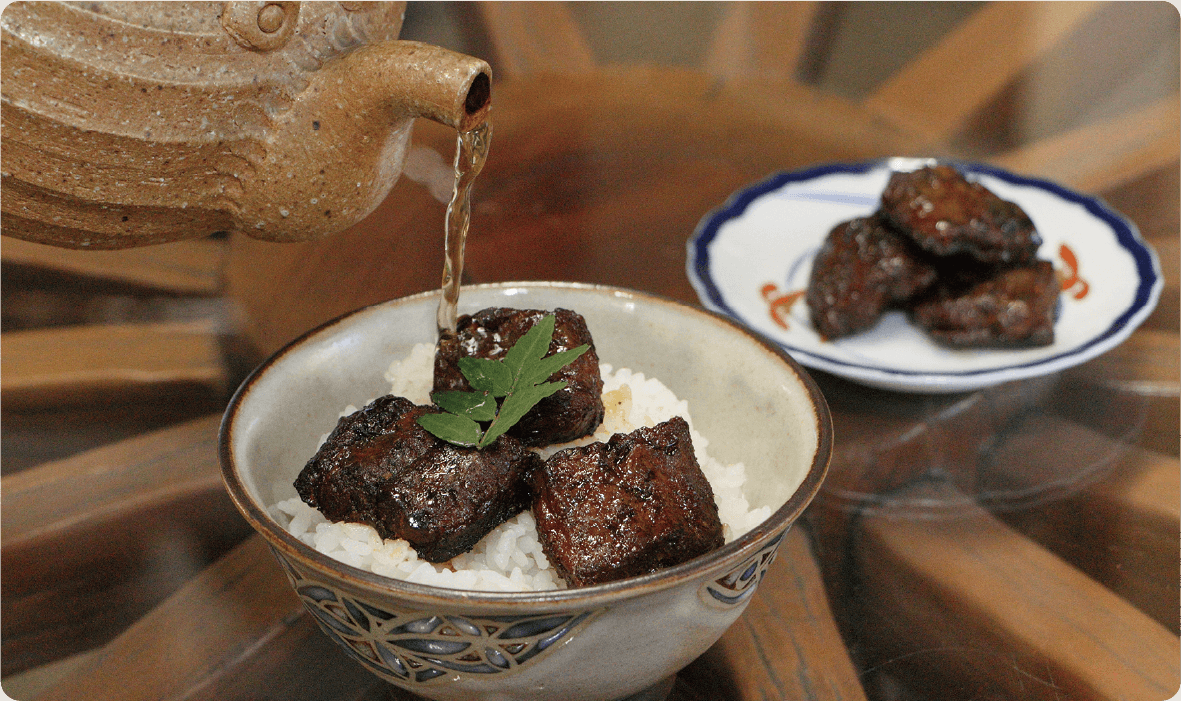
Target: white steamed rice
(510, 558)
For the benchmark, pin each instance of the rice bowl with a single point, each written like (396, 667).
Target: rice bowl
(603, 641)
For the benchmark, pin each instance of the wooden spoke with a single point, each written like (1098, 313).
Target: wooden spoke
(764, 40)
(183, 267)
(106, 568)
(789, 631)
(1120, 526)
(1105, 155)
(295, 661)
(532, 38)
(92, 364)
(936, 92)
(196, 636)
(1041, 629)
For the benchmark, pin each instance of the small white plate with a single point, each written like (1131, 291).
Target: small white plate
(747, 258)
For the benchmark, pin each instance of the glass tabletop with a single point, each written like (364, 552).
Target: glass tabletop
(1018, 540)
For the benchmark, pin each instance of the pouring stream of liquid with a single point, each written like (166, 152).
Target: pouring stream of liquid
(470, 151)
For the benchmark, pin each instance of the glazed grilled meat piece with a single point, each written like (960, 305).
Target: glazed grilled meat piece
(379, 467)
(862, 269)
(946, 214)
(572, 412)
(1010, 308)
(633, 505)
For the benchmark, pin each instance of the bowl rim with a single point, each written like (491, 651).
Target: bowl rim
(726, 558)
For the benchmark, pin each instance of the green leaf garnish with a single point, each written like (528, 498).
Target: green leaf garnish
(520, 379)
(487, 375)
(452, 428)
(545, 367)
(515, 406)
(478, 406)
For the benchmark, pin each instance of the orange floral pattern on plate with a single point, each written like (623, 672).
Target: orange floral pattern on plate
(778, 304)
(1071, 279)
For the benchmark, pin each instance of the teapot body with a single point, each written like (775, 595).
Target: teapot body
(127, 124)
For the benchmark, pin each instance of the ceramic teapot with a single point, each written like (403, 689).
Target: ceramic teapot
(131, 123)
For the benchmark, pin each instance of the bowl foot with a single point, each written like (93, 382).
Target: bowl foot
(657, 692)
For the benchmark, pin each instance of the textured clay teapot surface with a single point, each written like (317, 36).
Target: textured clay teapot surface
(131, 123)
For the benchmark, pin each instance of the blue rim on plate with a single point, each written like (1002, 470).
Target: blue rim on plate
(743, 233)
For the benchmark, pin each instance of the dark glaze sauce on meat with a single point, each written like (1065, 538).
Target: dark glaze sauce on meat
(862, 269)
(958, 258)
(946, 214)
(570, 413)
(1011, 309)
(379, 467)
(631, 506)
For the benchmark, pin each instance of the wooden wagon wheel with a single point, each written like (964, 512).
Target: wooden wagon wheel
(112, 600)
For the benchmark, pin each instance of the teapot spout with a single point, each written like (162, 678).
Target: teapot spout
(333, 156)
(437, 84)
